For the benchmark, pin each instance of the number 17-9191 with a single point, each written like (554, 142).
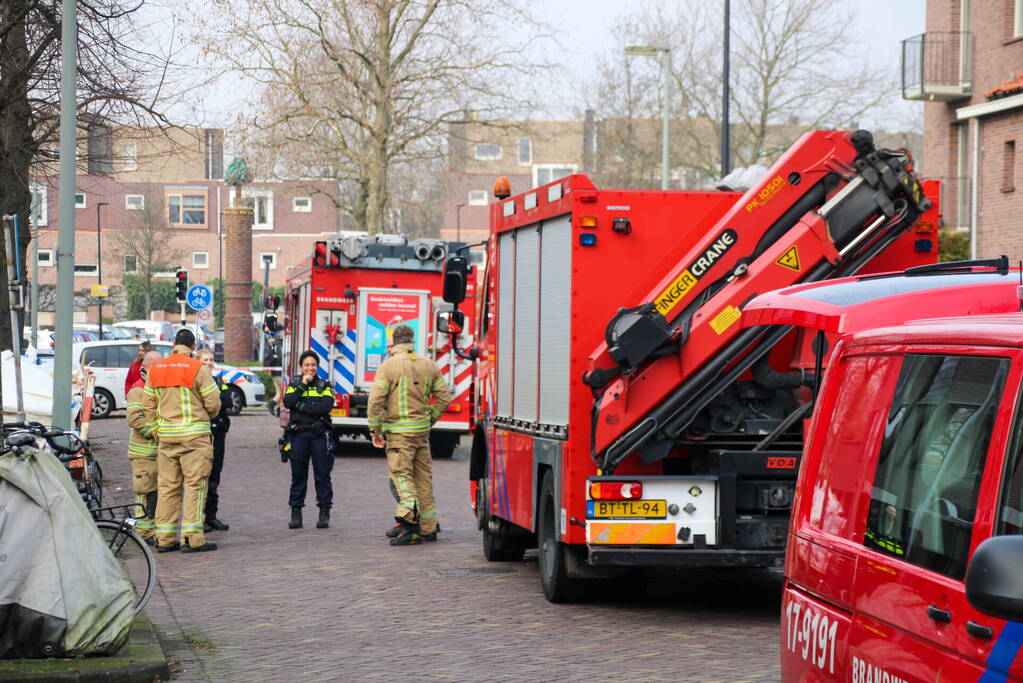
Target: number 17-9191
(810, 634)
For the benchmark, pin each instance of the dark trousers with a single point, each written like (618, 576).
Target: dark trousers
(212, 498)
(306, 447)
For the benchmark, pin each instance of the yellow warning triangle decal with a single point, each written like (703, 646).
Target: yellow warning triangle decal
(790, 259)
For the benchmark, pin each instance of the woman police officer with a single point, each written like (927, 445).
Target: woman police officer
(309, 399)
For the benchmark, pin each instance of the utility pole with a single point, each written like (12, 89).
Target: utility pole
(66, 234)
(14, 291)
(726, 131)
(266, 285)
(99, 265)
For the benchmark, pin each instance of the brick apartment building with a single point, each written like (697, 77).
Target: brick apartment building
(968, 69)
(137, 177)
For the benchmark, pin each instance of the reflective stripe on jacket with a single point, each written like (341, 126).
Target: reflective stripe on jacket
(399, 400)
(140, 443)
(180, 396)
(308, 404)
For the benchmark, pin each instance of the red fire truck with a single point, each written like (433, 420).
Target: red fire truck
(345, 301)
(624, 420)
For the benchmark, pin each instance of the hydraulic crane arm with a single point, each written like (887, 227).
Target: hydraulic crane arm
(824, 209)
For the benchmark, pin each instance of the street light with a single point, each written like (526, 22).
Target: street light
(665, 53)
(99, 265)
(458, 222)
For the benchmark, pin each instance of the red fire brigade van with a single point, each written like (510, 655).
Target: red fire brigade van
(905, 553)
(345, 301)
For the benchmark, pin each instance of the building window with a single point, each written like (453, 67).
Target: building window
(487, 151)
(262, 207)
(131, 263)
(548, 173)
(186, 209)
(129, 158)
(80, 200)
(477, 197)
(200, 259)
(45, 257)
(270, 256)
(1009, 166)
(302, 204)
(1017, 23)
(134, 202)
(525, 151)
(39, 199)
(86, 269)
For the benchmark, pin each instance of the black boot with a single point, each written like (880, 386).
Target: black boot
(409, 535)
(296, 518)
(324, 521)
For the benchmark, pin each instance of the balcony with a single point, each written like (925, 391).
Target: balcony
(937, 66)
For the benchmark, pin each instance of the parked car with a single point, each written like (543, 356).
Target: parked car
(156, 330)
(110, 360)
(110, 331)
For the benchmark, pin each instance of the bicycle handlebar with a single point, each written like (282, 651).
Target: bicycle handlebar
(36, 429)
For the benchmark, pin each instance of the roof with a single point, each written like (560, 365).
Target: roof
(1005, 88)
(989, 330)
(851, 305)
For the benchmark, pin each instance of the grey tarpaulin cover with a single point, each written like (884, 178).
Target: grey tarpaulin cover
(62, 592)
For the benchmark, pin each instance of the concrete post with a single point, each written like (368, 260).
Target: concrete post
(238, 285)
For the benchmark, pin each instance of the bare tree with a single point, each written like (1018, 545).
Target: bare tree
(351, 89)
(149, 241)
(119, 78)
(784, 81)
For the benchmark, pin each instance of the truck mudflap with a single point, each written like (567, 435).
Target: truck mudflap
(735, 513)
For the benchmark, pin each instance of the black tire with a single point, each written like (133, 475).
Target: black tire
(558, 586)
(443, 444)
(102, 404)
(134, 557)
(237, 402)
(497, 545)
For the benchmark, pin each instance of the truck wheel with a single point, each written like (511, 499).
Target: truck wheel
(558, 586)
(443, 445)
(497, 546)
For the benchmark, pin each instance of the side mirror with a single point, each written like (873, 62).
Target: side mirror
(994, 583)
(450, 322)
(270, 324)
(272, 302)
(456, 275)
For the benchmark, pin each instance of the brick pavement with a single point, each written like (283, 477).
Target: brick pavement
(274, 604)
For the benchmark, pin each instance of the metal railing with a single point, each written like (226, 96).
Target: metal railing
(937, 65)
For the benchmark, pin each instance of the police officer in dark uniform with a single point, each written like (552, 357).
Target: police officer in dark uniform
(219, 426)
(309, 399)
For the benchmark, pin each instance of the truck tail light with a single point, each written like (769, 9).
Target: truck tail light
(616, 490)
(454, 408)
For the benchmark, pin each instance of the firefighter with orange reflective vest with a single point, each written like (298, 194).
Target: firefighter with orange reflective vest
(181, 397)
(142, 450)
(400, 415)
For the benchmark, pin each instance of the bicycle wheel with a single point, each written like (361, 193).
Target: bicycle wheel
(134, 556)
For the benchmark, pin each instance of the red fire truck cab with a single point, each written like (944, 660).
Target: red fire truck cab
(345, 301)
(905, 545)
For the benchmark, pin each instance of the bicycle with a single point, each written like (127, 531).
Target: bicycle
(130, 550)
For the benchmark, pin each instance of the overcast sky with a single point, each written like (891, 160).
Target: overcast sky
(585, 28)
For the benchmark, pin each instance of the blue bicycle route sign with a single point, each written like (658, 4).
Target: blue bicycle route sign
(199, 297)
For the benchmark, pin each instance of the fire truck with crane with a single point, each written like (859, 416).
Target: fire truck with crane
(624, 420)
(344, 302)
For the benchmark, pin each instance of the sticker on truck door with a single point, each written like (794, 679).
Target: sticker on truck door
(380, 311)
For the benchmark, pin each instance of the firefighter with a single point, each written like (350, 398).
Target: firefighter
(220, 425)
(142, 450)
(310, 436)
(181, 397)
(399, 407)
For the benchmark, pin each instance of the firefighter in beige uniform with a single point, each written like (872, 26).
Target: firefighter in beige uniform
(399, 407)
(182, 397)
(142, 449)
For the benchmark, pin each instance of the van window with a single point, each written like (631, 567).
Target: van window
(928, 472)
(97, 355)
(126, 354)
(1010, 506)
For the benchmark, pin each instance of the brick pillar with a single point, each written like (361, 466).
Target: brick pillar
(237, 284)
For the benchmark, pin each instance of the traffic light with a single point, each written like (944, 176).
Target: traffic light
(181, 282)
